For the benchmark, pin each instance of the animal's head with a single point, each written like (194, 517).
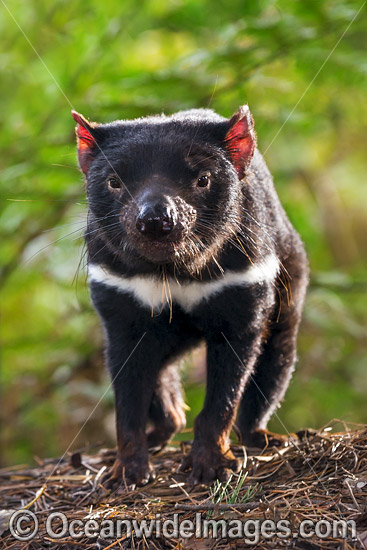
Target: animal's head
(166, 188)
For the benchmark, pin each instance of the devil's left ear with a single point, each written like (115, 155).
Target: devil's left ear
(87, 145)
(240, 140)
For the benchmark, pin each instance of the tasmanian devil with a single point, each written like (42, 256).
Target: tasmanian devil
(188, 242)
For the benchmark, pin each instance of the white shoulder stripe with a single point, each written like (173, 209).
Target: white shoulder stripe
(150, 291)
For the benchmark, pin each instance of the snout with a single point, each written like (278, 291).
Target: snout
(157, 225)
(156, 221)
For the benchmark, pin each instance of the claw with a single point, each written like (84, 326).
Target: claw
(224, 474)
(128, 475)
(186, 463)
(263, 438)
(207, 466)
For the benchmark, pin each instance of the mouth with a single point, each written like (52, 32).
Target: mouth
(158, 251)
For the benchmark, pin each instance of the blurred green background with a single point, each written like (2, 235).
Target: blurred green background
(119, 59)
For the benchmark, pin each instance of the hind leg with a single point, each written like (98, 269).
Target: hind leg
(166, 412)
(275, 366)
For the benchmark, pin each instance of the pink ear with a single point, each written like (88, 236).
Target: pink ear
(85, 141)
(240, 140)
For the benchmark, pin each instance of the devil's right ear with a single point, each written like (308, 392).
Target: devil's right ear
(85, 134)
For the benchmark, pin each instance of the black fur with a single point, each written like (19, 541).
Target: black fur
(150, 214)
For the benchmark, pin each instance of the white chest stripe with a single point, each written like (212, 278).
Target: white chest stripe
(151, 292)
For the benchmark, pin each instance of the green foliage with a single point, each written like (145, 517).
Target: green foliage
(223, 492)
(113, 60)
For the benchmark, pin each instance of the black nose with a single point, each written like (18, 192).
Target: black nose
(155, 221)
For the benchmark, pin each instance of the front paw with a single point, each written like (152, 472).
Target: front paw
(263, 438)
(129, 472)
(157, 439)
(208, 464)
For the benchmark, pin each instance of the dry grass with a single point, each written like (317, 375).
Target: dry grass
(323, 477)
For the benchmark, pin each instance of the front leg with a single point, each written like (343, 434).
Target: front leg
(133, 377)
(233, 347)
(134, 358)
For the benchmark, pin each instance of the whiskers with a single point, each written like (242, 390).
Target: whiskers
(255, 241)
(73, 232)
(195, 255)
(166, 291)
(80, 233)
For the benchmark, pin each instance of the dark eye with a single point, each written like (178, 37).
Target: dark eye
(113, 183)
(203, 181)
